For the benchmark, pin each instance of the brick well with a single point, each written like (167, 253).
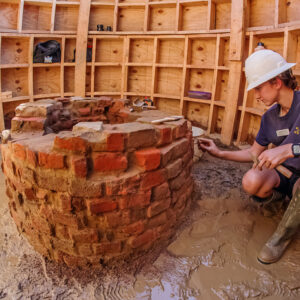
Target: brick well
(89, 181)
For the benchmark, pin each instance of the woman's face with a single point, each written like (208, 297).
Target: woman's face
(267, 92)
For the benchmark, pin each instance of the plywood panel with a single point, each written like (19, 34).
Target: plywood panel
(141, 50)
(66, 18)
(46, 80)
(109, 50)
(108, 79)
(261, 13)
(101, 15)
(169, 81)
(69, 79)
(14, 50)
(37, 17)
(293, 10)
(15, 80)
(162, 18)
(170, 51)
(8, 16)
(88, 79)
(131, 19)
(70, 46)
(273, 43)
(223, 14)
(224, 52)
(193, 16)
(171, 106)
(252, 130)
(198, 113)
(139, 79)
(222, 86)
(203, 52)
(200, 80)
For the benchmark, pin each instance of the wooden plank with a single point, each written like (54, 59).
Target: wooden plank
(62, 69)
(2, 125)
(30, 69)
(93, 66)
(237, 33)
(211, 18)
(183, 84)
(124, 77)
(154, 59)
(81, 47)
(53, 15)
(20, 15)
(280, 12)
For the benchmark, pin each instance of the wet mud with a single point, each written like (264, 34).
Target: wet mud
(213, 255)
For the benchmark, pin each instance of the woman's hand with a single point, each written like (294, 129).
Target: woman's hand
(273, 157)
(209, 146)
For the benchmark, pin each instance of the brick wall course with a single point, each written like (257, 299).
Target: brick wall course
(104, 193)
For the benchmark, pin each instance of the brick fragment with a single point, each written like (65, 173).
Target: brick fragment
(149, 159)
(104, 162)
(101, 205)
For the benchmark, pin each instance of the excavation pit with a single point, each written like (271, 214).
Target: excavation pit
(90, 182)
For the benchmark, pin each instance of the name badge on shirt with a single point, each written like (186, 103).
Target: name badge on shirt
(283, 132)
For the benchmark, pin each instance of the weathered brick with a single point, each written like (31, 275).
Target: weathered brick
(51, 160)
(71, 260)
(187, 157)
(157, 207)
(142, 239)
(102, 205)
(174, 168)
(87, 235)
(115, 141)
(107, 247)
(30, 194)
(160, 192)
(180, 128)
(151, 179)
(62, 232)
(164, 134)
(84, 111)
(21, 124)
(85, 188)
(118, 218)
(138, 200)
(70, 143)
(176, 183)
(158, 220)
(65, 219)
(104, 162)
(31, 157)
(64, 202)
(85, 250)
(41, 225)
(79, 166)
(19, 151)
(149, 159)
(135, 228)
(78, 203)
(47, 180)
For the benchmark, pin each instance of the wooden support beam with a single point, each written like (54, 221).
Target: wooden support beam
(81, 46)
(237, 40)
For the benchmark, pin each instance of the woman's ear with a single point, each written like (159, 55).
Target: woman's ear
(277, 83)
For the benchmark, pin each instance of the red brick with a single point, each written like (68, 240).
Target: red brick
(31, 157)
(144, 238)
(84, 111)
(109, 247)
(96, 206)
(164, 134)
(65, 202)
(151, 179)
(157, 207)
(135, 228)
(104, 162)
(74, 144)
(85, 250)
(62, 232)
(139, 200)
(41, 225)
(87, 235)
(79, 166)
(42, 194)
(174, 168)
(117, 218)
(65, 219)
(19, 151)
(149, 159)
(180, 128)
(161, 192)
(115, 142)
(30, 194)
(158, 220)
(51, 160)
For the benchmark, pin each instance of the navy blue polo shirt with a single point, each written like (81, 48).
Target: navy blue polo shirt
(281, 130)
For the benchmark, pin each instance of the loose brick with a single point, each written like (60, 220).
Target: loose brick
(96, 206)
(151, 179)
(149, 159)
(157, 207)
(104, 162)
(106, 248)
(142, 239)
(79, 166)
(51, 160)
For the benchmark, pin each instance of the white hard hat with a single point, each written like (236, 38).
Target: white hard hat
(264, 65)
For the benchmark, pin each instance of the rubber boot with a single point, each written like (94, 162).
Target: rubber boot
(277, 243)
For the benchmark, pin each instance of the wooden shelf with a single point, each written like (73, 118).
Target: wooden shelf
(204, 101)
(10, 66)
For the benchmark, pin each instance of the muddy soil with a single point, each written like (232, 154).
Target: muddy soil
(213, 255)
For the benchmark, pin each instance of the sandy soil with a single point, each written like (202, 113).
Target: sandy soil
(213, 255)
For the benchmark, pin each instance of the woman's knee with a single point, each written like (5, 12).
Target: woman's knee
(252, 182)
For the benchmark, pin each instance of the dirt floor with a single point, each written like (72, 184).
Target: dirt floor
(212, 257)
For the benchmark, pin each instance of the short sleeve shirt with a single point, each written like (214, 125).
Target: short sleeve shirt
(281, 130)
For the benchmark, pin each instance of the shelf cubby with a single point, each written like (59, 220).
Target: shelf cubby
(131, 18)
(132, 1)
(288, 12)
(169, 105)
(66, 17)
(101, 14)
(108, 79)
(14, 50)
(199, 80)
(193, 16)
(8, 16)
(170, 51)
(222, 13)
(169, 81)
(88, 79)
(261, 13)
(46, 80)
(15, 80)
(222, 86)
(141, 50)
(70, 46)
(198, 113)
(139, 79)
(69, 79)
(202, 52)
(162, 17)
(37, 16)
(223, 59)
(273, 41)
(217, 119)
(109, 50)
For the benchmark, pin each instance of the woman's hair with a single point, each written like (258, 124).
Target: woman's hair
(288, 79)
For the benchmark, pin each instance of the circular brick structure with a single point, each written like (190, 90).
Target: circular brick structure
(89, 181)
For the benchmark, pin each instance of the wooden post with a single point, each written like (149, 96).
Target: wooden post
(237, 38)
(81, 47)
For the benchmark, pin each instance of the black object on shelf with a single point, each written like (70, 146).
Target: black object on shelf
(108, 28)
(89, 54)
(47, 52)
(199, 95)
(100, 27)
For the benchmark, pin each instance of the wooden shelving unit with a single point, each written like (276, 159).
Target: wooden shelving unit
(157, 49)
